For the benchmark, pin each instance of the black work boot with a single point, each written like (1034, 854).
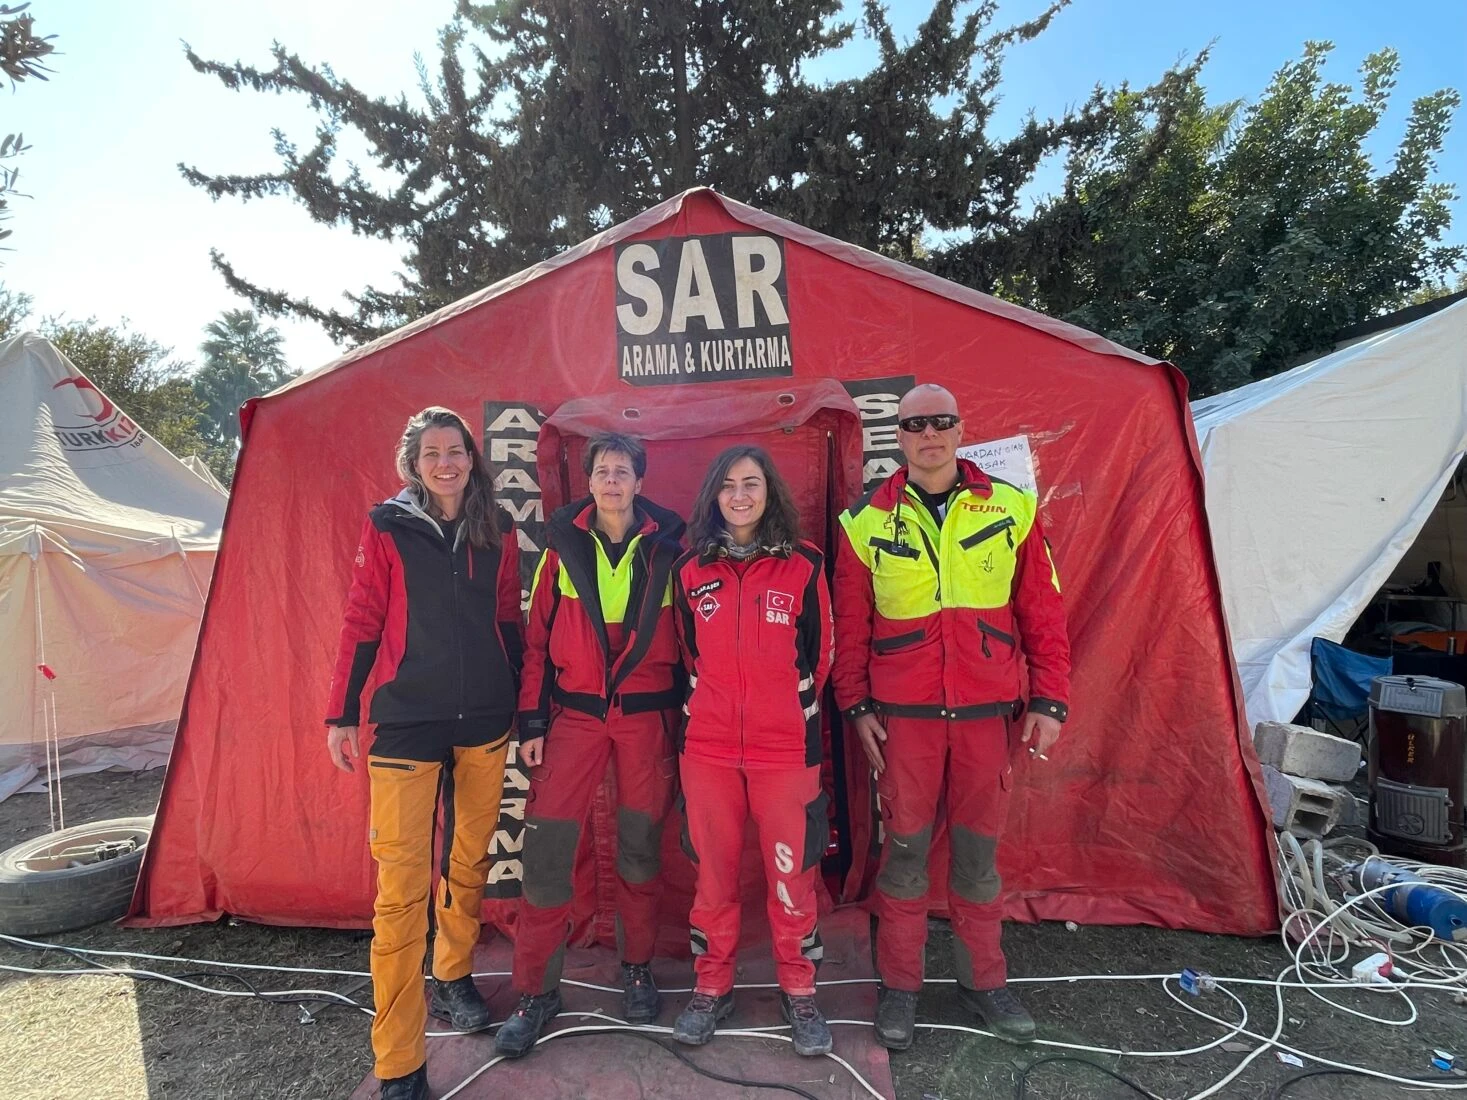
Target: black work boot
(1005, 1016)
(808, 1029)
(517, 1035)
(896, 1017)
(699, 1020)
(412, 1087)
(460, 1003)
(640, 1001)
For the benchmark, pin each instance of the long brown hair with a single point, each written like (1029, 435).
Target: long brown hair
(480, 512)
(779, 526)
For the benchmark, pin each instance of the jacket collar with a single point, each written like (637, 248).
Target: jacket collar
(653, 520)
(970, 479)
(410, 504)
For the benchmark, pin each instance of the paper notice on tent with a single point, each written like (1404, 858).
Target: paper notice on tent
(1009, 459)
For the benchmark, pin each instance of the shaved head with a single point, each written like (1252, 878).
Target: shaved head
(929, 397)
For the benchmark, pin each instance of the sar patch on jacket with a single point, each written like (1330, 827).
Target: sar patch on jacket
(778, 607)
(361, 558)
(706, 607)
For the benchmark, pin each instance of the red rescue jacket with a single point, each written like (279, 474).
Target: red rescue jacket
(757, 637)
(570, 660)
(932, 618)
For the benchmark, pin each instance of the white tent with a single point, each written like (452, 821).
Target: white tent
(107, 543)
(196, 464)
(1318, 482)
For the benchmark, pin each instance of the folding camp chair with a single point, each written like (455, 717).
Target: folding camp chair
(1339, 698)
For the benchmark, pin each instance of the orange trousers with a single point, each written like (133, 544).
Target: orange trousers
(404, 805)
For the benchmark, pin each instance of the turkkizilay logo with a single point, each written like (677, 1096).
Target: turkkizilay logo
(99, 424)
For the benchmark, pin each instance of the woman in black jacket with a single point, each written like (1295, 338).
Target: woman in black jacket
(434, 609)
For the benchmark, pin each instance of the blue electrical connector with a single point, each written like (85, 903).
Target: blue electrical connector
(1196, 982)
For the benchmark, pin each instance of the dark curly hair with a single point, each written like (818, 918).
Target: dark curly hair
(778, 527)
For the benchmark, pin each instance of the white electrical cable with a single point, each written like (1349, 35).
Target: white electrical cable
(736, 1033)
(1328, 929)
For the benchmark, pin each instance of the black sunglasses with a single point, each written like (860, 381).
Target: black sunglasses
(941, 421)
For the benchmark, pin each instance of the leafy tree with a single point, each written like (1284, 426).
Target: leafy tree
(15, 308)
(21, 51)
(242, 359)
(1231, 239)
(548, 120)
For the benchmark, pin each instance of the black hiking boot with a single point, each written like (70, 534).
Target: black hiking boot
(896, 1017)
(460, 1003)
(808, 1029)
(640, 1001)
(1005, 1016)
(517, 1035)
(412, 1087)
(699, 1020)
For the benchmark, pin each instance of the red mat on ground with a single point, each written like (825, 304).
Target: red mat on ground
(611, 1066)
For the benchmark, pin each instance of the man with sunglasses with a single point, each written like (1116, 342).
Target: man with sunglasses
(940, 571)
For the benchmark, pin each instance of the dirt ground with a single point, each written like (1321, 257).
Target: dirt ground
(103, 1038)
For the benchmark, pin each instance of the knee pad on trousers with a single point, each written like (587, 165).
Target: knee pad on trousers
(549, 860)
(973, 874)
(903, 872)
(638, 846)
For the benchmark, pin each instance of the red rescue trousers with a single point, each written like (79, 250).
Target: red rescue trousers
(789, 811)
(970, 763)
(404, 797)
(577, 750)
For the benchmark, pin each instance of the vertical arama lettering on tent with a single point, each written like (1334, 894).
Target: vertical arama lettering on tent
(510, 433)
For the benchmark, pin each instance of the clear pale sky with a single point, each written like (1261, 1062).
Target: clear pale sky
(113, 231)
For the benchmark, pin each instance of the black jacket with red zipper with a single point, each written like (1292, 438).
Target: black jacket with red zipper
(758, 638)
(439, 621)
(569, 658)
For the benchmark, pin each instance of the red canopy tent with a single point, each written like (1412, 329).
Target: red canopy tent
(699, 322)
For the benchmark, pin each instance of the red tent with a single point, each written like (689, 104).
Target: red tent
(696, 323)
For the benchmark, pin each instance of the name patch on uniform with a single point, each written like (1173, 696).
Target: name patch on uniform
(706, 607)
(970, 506)
(779, 607)
(705, 588)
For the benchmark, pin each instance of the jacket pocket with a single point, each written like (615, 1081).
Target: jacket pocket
(883, 646)
(817, 830)
(986, 631)
(983, 534)
(392, 765)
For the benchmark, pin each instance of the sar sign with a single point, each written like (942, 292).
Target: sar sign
(702, 309)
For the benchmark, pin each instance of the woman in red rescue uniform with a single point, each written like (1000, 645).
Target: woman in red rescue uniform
(434, 607)
(754, 618)
(603, 680)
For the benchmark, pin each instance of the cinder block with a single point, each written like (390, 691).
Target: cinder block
(1300, 750)
(1304, 807)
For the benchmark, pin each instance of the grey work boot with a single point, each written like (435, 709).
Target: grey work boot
(412, 1087)
(1004, 1014)
(896, 1017)
(640, 1001)
(460, 1003)
(699, 1020)
(517, 1035)
(808, 1029)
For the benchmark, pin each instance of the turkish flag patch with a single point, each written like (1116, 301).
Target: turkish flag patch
(781, 601)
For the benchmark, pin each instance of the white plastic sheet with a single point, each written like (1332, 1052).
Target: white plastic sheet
(1318, 481)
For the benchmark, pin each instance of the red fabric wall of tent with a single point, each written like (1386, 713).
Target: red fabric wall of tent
(1149, 811)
